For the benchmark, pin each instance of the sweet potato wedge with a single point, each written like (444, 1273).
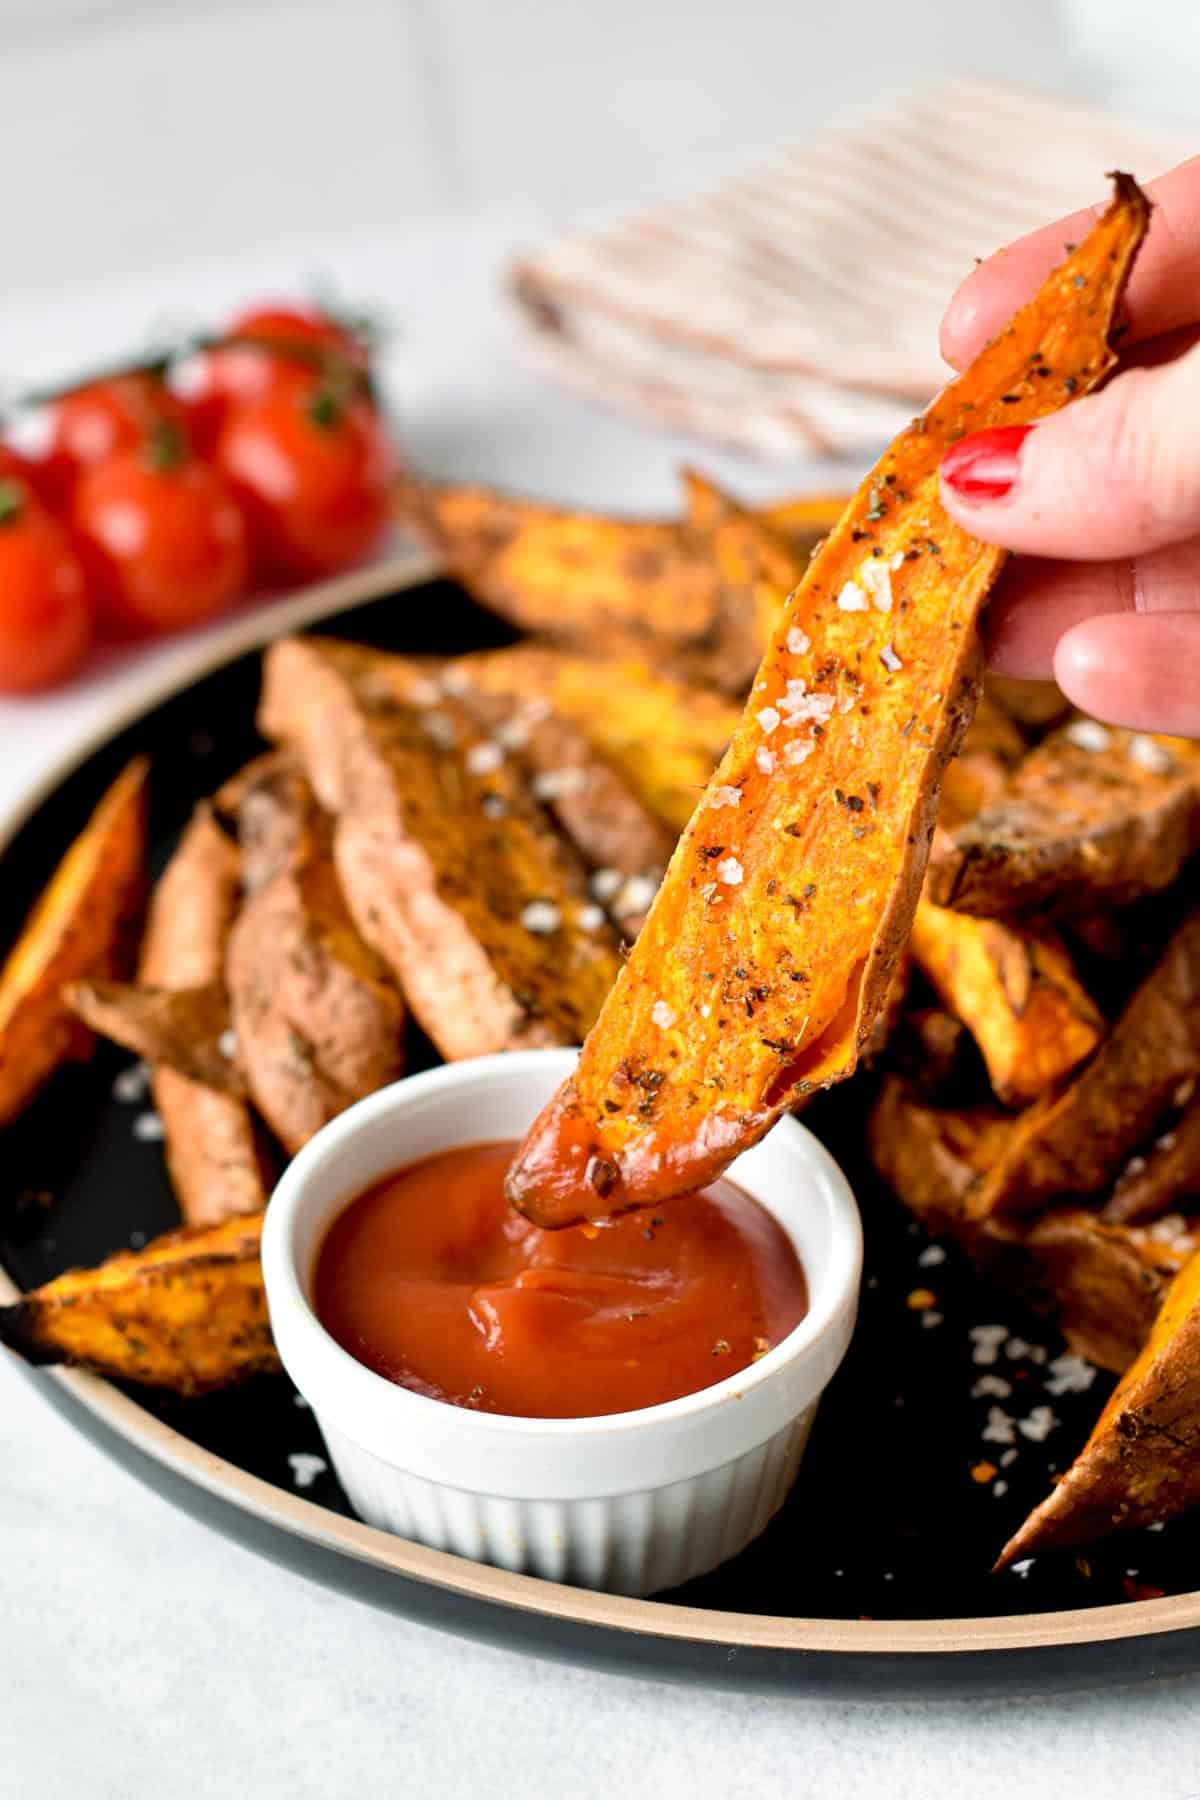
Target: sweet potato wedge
(991, 749)
(1033, 704)
(759, 567)
(1092, 816)
(319, 1023)
(214, 1155)
(1076, 1142)
(1167, 1175)
(1016, 990)
(1141, 1464)
(621, 841)
(662, 735)
(451, 871)
(575, 577)
(185, 1029)
(760, 971)
(77, 928)
(188, 1313)
(1101, 1283)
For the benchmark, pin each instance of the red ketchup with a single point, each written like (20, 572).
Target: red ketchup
(431, 1279)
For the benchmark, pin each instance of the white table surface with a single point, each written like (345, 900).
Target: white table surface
(142, 1654)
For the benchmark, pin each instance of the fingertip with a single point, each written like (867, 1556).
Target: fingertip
(1137, 670)
(959, 336)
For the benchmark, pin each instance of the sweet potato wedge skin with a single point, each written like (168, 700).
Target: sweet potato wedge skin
(1142, 1461)
(1018, 993)
(662, 736)
(187, 1313)
(790, 904)
(183, 1029)
(319, 1023)
(1076, 827)
(214, 1155)
(1076, 1142)
(76, 929)
(440, 863)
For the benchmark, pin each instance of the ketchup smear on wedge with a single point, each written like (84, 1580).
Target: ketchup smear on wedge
(431, 1279)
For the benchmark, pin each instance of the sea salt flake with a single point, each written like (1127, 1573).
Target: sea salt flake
(426, 693)
(889, 659)
(662, 1015)
(301, 1402)
(930, 1319)
(729, 870)
(798, 751)
(999, 1489)
(991, 1387)
(876, 577)
(541, 917)
(765, 759)
(852, 599)
(807, 709)
(590, 917)
(484, 759)
(1069, 1374)
(897, 561)
(987, 1340)
(1088, 734)
(725, 796)
(636, 893)
(1023, 1567)
(1038, 1426)
(555, 784)
(1008, 1458)
(455, 681)
(1172, 1228)
(1166, 1141)
(798, 642)
(932, 1257)
(305, 1467)
(131, 1084)
(1150, 755)
(846, 704)
(148, 1128)
(1000, 1428)
(706, 1011)
(768, 718)
(605, 883)
(440, 727)
(227, 1043)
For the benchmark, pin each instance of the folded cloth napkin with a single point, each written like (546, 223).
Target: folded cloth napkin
(798, 308)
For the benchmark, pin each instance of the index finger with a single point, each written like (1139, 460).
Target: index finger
(1163, 292)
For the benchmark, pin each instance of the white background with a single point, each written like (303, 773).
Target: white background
(161, 160)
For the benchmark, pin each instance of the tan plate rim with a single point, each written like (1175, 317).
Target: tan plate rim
(478, 1581)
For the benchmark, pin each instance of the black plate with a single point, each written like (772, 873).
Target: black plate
(876, 1572)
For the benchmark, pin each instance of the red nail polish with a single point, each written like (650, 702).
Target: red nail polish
(984, 465)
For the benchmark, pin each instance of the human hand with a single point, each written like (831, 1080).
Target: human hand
(1102, 500)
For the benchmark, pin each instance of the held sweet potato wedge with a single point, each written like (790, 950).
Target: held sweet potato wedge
(186, 1029)
(213, 1152)
(188, 1313)
(451, 871)
(1076, 1142)
(664, 736)
(76, 929)
(1092, 816)
(1018, 993)
(1142, 1462)
(318, 1022)
(760, 971)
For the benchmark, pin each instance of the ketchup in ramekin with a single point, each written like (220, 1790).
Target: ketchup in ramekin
(433, 1281)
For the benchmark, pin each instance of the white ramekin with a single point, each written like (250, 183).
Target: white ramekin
(632, 1502)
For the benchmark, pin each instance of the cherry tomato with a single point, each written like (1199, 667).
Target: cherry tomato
(312, 472)
(162, 536)
(45, 618)
(103, 419)
(242, 373)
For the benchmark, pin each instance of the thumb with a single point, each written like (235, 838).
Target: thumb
(1114, 475)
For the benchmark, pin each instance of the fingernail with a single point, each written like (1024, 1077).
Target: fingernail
(984, 466)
